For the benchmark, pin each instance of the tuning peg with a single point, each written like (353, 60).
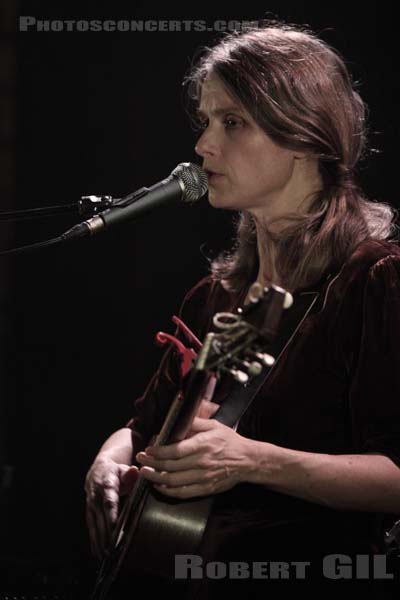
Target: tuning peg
(265, 358)
(240, 376)
(252, 368)
(256, 292)
(288, 301)
(237, 374)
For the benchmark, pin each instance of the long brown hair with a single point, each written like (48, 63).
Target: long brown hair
(299, 91)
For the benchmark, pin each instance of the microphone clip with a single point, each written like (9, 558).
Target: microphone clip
(92, 205)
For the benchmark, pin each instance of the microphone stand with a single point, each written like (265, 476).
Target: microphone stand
(87, 205)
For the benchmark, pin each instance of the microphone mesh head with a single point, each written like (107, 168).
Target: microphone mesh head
(193, 179)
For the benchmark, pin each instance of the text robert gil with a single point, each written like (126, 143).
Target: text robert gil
(334, 566)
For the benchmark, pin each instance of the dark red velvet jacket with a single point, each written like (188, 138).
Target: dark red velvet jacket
(335, 389)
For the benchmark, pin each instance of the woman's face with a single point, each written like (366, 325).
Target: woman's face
(246, 169)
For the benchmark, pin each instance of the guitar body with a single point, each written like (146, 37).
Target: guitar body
(166, 528)
(152, 528)
(159, 529)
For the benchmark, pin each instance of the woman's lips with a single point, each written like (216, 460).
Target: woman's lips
(213, 177)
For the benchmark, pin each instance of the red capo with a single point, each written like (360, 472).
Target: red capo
(187, 355)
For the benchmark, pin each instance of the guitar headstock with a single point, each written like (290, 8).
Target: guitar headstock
(239, 346)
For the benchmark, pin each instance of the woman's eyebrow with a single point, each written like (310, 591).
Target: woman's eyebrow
(217, 112)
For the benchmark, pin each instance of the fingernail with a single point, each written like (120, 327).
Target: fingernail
(147, 470)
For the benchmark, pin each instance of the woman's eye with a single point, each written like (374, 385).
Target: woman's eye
(231, 123)
(228, 122)
(202, 125)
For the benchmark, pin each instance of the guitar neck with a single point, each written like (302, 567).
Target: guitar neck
(183, 409)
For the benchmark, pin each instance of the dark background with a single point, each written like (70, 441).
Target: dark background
(102, 112)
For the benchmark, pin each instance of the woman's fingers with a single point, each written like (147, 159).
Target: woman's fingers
(97, 526)
(128, 479)
(105, 482)
(183, 448)
(171, 479)
(171, 465)
(207, 409)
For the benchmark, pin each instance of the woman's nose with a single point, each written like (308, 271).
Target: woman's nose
(207, 144)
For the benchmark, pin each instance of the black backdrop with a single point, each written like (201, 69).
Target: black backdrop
(102, 112)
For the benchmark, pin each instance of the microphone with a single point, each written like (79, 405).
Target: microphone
(187, 182)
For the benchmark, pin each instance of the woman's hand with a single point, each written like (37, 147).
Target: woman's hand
(212, 460)
(105, 482)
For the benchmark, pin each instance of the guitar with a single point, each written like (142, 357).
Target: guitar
(151, 528)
